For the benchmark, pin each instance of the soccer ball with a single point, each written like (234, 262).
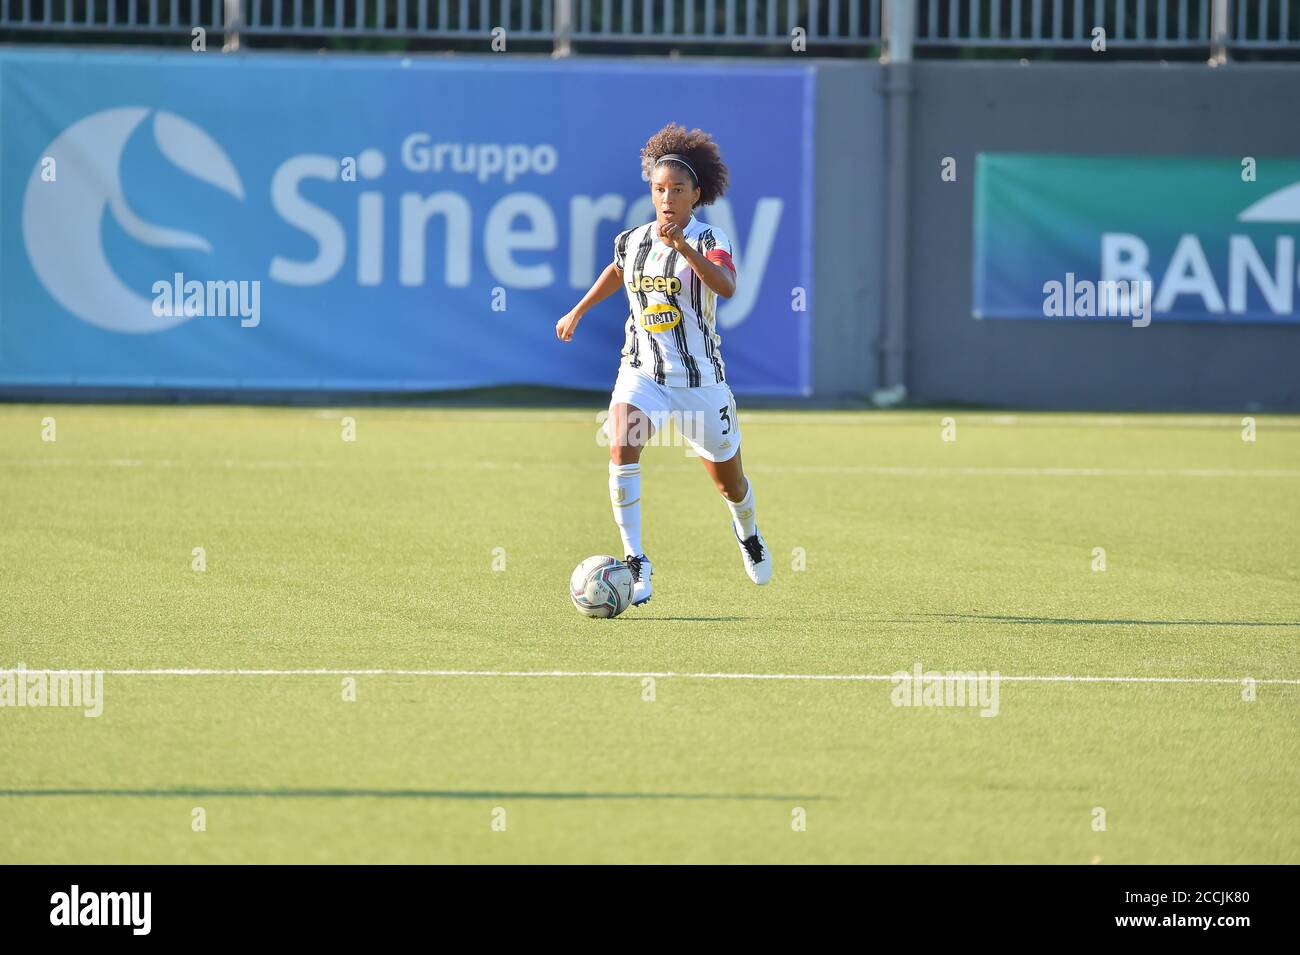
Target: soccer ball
(601, 587)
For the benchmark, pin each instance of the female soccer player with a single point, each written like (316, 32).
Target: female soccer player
(673, 270)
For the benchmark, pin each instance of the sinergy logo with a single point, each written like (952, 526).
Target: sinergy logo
(61, 226)
(75, 907)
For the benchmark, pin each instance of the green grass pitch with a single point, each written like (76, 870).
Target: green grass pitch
(378, 554)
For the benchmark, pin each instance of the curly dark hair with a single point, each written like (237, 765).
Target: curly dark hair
(700, 151)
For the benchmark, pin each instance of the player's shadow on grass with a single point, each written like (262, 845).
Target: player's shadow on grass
(182, 793)
(999, 618)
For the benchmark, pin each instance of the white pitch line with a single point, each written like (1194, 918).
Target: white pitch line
(860, 417)
(670, 674)
(830, 469)
(924, 471)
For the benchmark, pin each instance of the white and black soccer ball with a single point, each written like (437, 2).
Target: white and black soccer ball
(601, 587)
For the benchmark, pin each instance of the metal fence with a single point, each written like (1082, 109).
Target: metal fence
(1139, 24)
(673, 23)
(666, 22)
(938, 26)
(1050, 23)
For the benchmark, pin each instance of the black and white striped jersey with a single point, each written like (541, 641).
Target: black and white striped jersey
(671, 331)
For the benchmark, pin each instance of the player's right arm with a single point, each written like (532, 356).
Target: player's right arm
(609, 282)
(605, 286)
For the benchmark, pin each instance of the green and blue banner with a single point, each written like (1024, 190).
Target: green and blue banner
(1199, 239)
(372, 223)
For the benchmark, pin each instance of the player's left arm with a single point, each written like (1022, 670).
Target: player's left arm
(714, 267)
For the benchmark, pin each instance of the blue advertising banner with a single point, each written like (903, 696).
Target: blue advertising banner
(302, 222)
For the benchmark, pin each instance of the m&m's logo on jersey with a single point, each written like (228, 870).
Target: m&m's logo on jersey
(660, 318)
(668, 284)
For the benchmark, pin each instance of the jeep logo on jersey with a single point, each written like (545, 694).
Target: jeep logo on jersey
(669, 284)
(659, 318)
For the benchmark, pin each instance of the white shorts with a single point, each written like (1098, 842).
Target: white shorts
(704, 418)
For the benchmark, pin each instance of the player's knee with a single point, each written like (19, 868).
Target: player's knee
(623, 453)
(733, 491)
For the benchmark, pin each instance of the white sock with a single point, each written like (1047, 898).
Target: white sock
(625, 498)
(743, 513)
